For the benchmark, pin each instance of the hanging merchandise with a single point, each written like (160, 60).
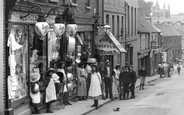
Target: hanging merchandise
(13, 44)
(71, 44)
(12, 87)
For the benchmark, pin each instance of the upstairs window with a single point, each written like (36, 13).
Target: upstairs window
(73, 2)
(87, 2)
(107, 19)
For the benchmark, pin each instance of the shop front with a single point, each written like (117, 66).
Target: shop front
(30, 50)
(107, 46)
(144, 60)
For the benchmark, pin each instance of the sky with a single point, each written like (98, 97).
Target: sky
(176, 6)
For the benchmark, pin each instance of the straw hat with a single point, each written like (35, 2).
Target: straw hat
(34, 77)
(91, 60)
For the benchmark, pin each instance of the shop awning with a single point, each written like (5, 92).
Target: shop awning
(108, 45)
(80, 39)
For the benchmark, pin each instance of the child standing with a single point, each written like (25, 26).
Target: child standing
(50, 92)
(95, 86)
(35, 92)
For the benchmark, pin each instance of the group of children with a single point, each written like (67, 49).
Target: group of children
(51, 88)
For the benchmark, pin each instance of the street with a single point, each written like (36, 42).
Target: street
(161, 97)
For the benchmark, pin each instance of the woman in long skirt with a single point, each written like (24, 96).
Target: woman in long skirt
(82, 75)
(115, 83)
(95, 91)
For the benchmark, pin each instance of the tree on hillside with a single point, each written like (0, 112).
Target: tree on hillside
(145, 7)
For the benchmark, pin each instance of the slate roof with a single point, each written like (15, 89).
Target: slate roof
(179, 28)
(144, 26)
(167, 30)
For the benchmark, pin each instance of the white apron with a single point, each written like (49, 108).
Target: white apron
(36, 98)
(95, 88)
(50, 91)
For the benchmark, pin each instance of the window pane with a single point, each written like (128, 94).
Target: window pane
(18, 62)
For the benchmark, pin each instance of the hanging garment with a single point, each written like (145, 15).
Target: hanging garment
(12, 87)
(12, 64)
(34, 56)
(13, 44)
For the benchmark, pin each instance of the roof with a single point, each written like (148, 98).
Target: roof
(144, 26)
(167, 30)
(179, 28)
(132, 3)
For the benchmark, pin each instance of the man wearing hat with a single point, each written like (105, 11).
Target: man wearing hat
(108, 79)
(133, 80)
(124, 79)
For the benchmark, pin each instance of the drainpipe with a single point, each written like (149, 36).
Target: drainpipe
(126, 4)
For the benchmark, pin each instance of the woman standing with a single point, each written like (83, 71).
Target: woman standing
(50, 94)
(115, 83)
(63, 78)
(95, 86)
(82, 75)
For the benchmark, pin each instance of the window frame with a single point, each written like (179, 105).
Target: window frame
(73, 3)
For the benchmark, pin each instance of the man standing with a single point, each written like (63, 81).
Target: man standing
(133, 80)
(178, 69)
(108, 79)
(142, 74)
(121, 82)
(125, 80)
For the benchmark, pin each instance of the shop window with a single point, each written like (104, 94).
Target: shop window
(18, 62)
(37, 54)
(107, 18)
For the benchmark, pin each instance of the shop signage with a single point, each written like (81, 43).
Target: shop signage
(105, 46)
(54, 0)
(32, 18)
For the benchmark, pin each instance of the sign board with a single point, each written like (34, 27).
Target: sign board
(32, 18)
(54, 0)
(105, 46)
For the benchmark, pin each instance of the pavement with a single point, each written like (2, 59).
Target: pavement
(84, 107)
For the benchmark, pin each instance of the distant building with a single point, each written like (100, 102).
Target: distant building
(172, 43)
(159, 15)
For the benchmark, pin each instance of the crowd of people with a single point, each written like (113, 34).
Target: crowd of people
(95, 80)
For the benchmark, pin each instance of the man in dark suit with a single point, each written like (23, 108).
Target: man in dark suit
(108, 79)
(125, 80)
(133, 80)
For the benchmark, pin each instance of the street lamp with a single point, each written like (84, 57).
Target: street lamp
(58, 27)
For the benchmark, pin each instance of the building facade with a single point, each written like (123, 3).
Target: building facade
(114, 16)
(148, 46)
(27, 52)
(172, 43)
(130, 39)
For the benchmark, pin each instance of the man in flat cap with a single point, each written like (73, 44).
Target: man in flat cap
(133, 80)
(108, 79)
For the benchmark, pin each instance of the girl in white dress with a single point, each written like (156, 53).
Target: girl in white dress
(95, 86)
